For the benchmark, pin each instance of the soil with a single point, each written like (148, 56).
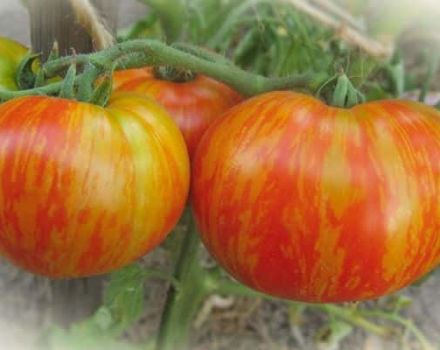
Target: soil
(30, 304)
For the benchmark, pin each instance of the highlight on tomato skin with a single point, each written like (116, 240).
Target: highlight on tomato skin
(312, 203)
(193, 104)
(86, 190)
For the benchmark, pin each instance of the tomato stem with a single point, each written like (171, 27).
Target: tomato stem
(51, 89)
(408, 324)
(68, 89)
(86, 83)
(353, 317)
(200, 52)
(144, 52)
(433, 66)
(183, 302)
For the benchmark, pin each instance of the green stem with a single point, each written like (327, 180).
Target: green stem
(52, 89)
(352, 317)
(205, 54)
(432, 69)
(183, 303)
(340, 94)
(222, 285)
(146, 52)
(54, 67)
(172, 14)
(138, 53)
(87, 81)
(408, 324)
(233, 18)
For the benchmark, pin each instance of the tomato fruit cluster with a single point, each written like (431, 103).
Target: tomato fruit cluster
(292, 197)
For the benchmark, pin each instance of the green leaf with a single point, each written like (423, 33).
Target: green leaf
(124, 296)
(84, 337)
(101, 94)
(123, 304)
(397, 76)
(341, 91)
(331, 336)
(68, 89)
(25, 76)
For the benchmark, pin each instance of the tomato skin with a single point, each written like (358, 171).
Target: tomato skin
(312, 203)
(11, 55)
(193, 104)
(85, 190)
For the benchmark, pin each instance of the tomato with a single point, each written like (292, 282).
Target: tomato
(193, 104)
(313, 203)
(11, 55)
(85, 190)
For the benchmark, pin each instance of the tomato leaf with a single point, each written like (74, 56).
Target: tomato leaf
(124, 296)
(331, 336)
(25, 76)
(68, 89)
(84, 336)
(101, 95)
(123, 304)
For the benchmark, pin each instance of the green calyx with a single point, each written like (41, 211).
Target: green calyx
(345, 94)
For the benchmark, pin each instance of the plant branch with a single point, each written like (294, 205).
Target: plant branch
(183, 302)
(51, 89)
(54, 67)
(146, 52)
(408, 324)
(433, 66)
(352, 317)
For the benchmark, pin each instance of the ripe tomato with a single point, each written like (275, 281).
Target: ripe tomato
(313, 203)
(11, 54)
(85, 190)
(193, 104)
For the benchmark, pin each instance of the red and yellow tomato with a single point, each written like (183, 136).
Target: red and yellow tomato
(85, 190)
(193, 104)
(11, 55)
(313, 203)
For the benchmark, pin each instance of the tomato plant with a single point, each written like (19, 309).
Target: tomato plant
(294, 198)
(11, 55)
(193, 104)
(85, 190)
(320, 204)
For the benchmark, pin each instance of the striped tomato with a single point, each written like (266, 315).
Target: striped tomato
(193, 104)
(313, 203)
(11, 54)
(85, 190)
